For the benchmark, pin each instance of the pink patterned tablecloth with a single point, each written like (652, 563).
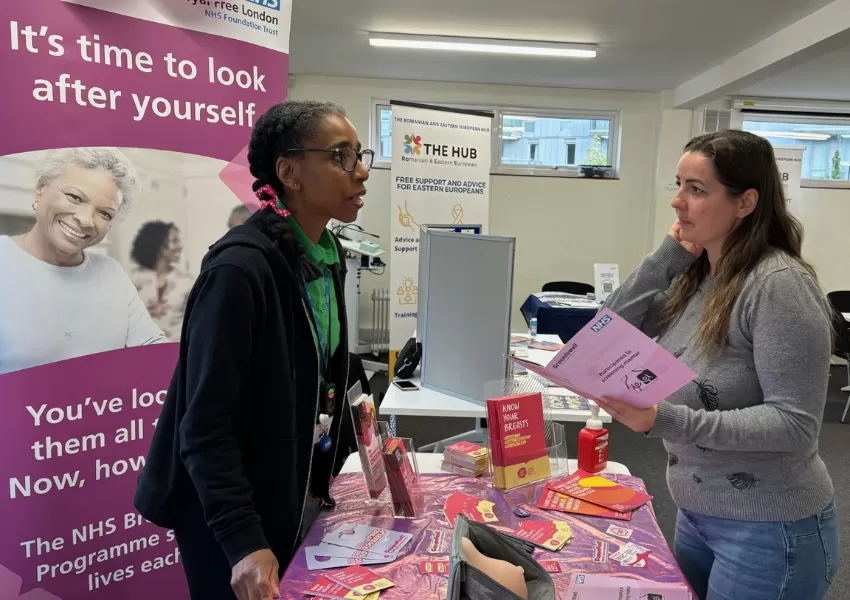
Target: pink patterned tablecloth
(350, 494)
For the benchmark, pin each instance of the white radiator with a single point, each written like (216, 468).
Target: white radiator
(380, 321)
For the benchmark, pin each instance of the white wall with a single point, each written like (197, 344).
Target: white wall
(209, 203)
(562, 225)
(17, 180)
(674, 132)
(825, 213)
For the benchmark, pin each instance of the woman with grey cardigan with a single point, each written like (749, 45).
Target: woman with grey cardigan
(730, 295)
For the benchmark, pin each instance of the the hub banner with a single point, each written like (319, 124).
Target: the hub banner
(440, 176)
(122, 160)
(789, 160)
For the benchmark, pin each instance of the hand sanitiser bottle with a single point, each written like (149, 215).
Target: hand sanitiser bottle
(532, 328)
(593, 444)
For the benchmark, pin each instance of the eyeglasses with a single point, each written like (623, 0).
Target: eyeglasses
(347, 157)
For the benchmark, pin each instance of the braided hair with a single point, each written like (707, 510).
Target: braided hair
(285, 126)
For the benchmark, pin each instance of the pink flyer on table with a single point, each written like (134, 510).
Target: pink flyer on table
(611, 358)
(592, 586)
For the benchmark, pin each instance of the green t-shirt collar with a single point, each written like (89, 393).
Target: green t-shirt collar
(322, 254)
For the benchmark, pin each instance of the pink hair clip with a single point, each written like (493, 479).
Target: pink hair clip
(267, 191)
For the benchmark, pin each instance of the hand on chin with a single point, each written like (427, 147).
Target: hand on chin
(682, 232)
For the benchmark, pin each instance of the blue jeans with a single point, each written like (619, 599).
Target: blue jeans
(750, 560)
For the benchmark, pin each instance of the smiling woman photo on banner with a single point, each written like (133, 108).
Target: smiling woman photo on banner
(68, 300)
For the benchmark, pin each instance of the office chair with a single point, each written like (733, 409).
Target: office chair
(840, 302)
(569, 287)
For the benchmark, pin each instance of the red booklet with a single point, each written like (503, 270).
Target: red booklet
(517, 440)
(360, 580)
(552, 500)
(599, 490)
(551, 566)
(552, 535)
(466, 454)
(405, 490)
(434, 567)
(325, 588)
(369, 441)
(475, 509)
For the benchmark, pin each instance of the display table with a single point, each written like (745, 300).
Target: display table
(430, 463)
(590, 537)
(563, 321)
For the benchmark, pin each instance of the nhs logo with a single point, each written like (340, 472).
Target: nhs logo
(597, 327)
(272, 4)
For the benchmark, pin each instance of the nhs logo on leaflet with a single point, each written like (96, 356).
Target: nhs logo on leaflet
(272, 4)
(601, 323)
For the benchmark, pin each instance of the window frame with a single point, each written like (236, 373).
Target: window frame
(536, 147)
(574, 143)
(499, 112)
(739, 116)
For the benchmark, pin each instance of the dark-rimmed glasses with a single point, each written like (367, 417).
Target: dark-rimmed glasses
(346, 156)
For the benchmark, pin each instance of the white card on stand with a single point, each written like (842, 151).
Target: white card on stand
(606, 278)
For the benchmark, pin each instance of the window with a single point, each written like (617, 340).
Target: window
(559, 142)
(570, 151)
(385, 134)
(826, 141)
(529, 142)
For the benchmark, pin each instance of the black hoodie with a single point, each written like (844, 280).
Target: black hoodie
(233, 447)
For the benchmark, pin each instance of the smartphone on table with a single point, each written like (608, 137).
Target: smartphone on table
(405, 386)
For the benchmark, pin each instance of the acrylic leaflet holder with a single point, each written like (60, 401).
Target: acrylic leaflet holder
(371, 436)
(524, 444)
(403, 478)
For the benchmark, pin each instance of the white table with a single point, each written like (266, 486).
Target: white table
(429, 462)
(846, 316)
(430, 403)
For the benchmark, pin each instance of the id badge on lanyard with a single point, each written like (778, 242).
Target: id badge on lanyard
(327, 389)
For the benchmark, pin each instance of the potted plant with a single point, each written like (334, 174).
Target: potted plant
(595, 160)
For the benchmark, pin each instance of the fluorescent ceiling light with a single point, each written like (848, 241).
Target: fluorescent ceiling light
(491, 46)
(792, 135)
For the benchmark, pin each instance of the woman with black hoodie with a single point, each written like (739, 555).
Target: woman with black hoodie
(249, 436)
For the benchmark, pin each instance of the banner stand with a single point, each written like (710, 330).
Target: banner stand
(113, 193)
(789, 159)
(440, 174)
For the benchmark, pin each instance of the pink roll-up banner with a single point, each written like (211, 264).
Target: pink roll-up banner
(123, 157)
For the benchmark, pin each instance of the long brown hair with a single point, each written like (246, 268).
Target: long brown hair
(742, 161)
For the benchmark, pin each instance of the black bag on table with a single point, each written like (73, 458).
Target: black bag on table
(408, 359)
